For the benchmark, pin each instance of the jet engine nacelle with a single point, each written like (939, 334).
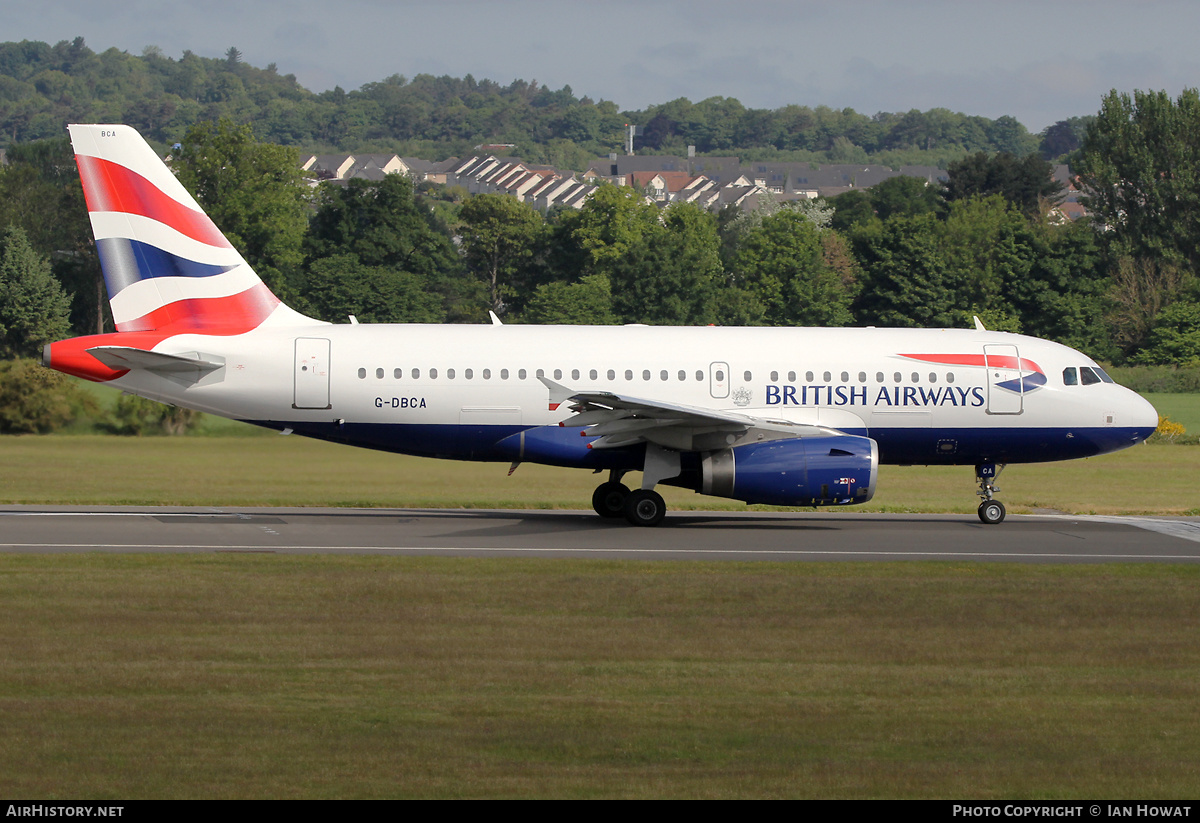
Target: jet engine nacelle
(810, 471)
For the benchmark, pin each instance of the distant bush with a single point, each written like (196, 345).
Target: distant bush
(133, 415)
(36, 400)
(1169, 379)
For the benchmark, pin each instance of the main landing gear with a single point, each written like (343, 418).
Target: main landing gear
(990, 511)
(641, 507)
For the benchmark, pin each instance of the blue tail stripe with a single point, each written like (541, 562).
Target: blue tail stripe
(126, 261)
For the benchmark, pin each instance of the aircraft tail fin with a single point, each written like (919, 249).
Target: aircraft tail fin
(166, 265)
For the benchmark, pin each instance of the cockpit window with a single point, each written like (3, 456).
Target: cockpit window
(1104, 375)
(1088, 376)
(1070, 377)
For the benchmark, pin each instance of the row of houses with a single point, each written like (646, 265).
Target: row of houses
(710, 182)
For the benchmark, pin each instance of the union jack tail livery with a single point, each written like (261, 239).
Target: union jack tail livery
(167, 267)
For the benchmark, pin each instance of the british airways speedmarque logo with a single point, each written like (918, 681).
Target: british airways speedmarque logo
(1028, 375)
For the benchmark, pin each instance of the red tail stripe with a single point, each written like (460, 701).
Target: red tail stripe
(108, 186)
(235, 314)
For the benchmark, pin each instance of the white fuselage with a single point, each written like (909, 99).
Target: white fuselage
(451, 390)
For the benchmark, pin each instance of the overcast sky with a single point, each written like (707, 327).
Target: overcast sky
(1037, 61)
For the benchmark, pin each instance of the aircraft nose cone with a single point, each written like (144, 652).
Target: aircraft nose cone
(1141, 414)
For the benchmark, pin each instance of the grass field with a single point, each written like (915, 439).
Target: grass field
(177, 676)
(1181, 408)
(286, 676)
(274, 470)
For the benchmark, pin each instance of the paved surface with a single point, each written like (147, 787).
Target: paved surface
(684, 535)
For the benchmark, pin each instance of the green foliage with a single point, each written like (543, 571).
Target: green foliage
(40, 193)
(671, 273)
(34, 399)
(905, 278)
(133, 415)
(1140, 167)
(501, 238)
(1175, 337)
(33, 308)
(782, 263)
(904, 196)
(385, 227)
(341, 285)
(588, 302)
(255, 193)
(1166, 379)
(1025, 182)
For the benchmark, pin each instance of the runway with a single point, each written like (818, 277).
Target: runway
(746, 536)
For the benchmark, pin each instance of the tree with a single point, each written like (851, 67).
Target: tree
(384, 226)
(904, 195)
(41, 194)
(1025, 182)
(1175, 337)
(588, 302)
(501, 237)
(341, 285)
(783, 264)
(904, 273)
(33, 309)
(670, 276)
(1140, 168)
(254, 192)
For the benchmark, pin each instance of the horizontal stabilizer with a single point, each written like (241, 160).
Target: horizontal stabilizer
(125, 357)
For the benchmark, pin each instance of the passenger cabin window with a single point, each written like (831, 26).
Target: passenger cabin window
(629, 374)
(398, 373)
(1070, 377)
(468, 373)
(449, 374)
(878, 377)
(433, 374)
(720, 375)
(487, 374)
(747, 376)
(663, 375)
(362, 374)
(827, 377)
(699, 376)
(557, 374)
(504, 374)
(521, 374)
(791, 377)
(379, 374)
(774, 377)
(612, 375)
(682, 375)
(574, 374)
(416, 374)
(845, 377)
(593, 375)
(645, 374)
(808, 377)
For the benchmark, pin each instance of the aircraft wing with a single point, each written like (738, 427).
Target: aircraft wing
(621, 420)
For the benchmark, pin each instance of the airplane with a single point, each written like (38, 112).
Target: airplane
(780, 416)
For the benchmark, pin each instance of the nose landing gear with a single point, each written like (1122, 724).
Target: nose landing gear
(990, 511)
